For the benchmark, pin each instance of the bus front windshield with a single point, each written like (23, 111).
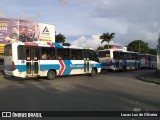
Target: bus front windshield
(104, 54)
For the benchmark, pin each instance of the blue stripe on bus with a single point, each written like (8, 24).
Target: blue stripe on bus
(69, 67)
(120, 63)
(125, 62)
(105, 64)
(21, 68)
(67, 64)
(57, 45)
(96, 65)
(49, 66)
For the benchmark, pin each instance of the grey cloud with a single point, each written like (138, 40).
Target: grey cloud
(2, 13)
(33, 17)
(132, 10)
(141, 16)
(64, 2)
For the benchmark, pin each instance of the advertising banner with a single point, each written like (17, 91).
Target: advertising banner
(8, 29)
(36, 31)
(14, 30)
(46, 32)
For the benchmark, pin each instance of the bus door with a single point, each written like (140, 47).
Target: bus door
(86, 61)
(136, 61)
(117, 62)
(149, 60)
(120, 61)
(32, 61)
(116, 56)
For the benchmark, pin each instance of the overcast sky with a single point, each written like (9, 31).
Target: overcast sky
(82, 21)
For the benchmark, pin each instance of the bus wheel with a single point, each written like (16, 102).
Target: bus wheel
(93, 72)
(136, 68)
(139, 67)
(51, 75)
(124, 69)
(152, 67)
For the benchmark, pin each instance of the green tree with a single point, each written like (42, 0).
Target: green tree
(138, 46)
(100, 48)
(106, 37)
(153, 51)
(66, 44)
(103, 47)
(60, 38)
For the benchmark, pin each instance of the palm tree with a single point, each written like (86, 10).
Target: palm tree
(106, 37)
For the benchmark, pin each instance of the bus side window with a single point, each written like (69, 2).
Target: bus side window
(63, 53)
(121, 55)
(76, 54)
(125, 55)
(116, 55)
(59, 56)
(52, 56)
(28, 54)
(44, 55)
(93, 56)
(21, 52)
(47, 53)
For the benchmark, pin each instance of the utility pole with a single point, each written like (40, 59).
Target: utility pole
(139, 48)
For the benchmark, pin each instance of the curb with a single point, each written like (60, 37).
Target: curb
(149, 78)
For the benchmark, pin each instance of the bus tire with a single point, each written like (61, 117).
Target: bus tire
(139, 67)
(110, 70)
(152, 67)
(93, 72)
(124, 69)
(51, 75)
(136, 68)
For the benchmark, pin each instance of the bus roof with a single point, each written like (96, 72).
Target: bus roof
(111, 49)
(121, 50)
(48, 44)
(147, 54)
(132, 52)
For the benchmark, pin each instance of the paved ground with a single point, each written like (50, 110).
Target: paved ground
(107, 91)
(151, 77)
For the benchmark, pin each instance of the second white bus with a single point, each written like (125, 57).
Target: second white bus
(118, 59)
(148, 60)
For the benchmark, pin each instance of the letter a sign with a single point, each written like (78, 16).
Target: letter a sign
(45, 31)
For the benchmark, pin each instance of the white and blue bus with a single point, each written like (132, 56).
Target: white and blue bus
(148, 60)
(48, 60)
(117, 59)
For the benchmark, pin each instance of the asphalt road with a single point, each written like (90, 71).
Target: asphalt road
(105, 91)
(108, 91)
